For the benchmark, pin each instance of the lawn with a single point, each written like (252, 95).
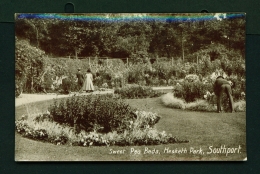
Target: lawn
(202, 129)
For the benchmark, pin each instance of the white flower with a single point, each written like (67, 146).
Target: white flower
(105, 85)
(41, 133)
(163, 132)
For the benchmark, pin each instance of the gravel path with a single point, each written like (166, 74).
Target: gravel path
(30, 98)
(162, 87)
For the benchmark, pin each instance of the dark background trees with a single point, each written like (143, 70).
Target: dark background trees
(135, 39)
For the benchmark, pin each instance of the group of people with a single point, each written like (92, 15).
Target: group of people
(85, 83)
(221, 86)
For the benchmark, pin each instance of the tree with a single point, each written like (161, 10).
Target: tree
(74, 37)
(131, 35)
(33, 29)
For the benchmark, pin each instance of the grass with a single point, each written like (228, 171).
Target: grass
(202, 129)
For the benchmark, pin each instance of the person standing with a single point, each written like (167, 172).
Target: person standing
(80, 78)
(222, 86)
(88, 84)
(66, 84)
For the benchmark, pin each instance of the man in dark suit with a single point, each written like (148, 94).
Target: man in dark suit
(222, 86)
(80, 77)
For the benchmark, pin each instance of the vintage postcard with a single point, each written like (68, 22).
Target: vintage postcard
(130, 87)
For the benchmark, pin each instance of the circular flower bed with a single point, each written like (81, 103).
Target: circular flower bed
(94, 121)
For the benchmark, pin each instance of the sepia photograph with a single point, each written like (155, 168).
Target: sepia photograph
(130, 87)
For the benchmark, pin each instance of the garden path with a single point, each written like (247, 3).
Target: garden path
(30, 98)
(162, 87)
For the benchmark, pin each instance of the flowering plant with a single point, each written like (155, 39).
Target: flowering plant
(136, 91)
(93, 139)
(23, 128)
(210, 97)
(192, 78)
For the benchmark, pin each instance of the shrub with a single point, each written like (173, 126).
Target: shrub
(29, 66)
(136, 73)
(136, 91)
(104, 113)
(192, 78)
(238, 89)
(144, 120)
(190, 91)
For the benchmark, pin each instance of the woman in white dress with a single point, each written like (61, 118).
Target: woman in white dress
(88, 84)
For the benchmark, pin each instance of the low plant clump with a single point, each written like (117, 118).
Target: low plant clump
(207, 104)
(136, 91)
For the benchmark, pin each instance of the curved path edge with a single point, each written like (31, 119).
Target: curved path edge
(31, 98)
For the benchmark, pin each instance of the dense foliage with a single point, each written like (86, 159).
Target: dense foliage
(30, 67)
(136, 91)
(159, 52)
(190, 91)
(103, 113)
(116, 36)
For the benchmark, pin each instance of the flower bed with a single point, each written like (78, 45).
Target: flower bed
(137, 91)
(171, 101)
(35, 72)
(94, 121)
(192, 88)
